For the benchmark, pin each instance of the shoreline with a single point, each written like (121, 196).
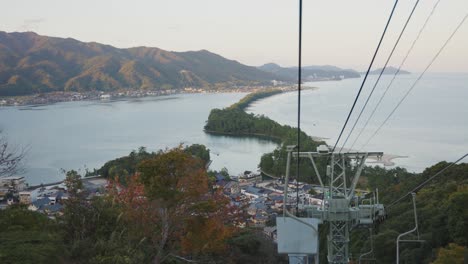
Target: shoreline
(61, 97)
(386, 159)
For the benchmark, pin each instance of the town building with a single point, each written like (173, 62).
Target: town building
(25, 198)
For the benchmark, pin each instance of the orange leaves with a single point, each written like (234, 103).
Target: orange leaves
(169, 202)
(173, 176)
(205, 235)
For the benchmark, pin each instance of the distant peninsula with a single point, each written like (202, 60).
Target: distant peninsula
(310, 73)
(388, 70)
(235, 121)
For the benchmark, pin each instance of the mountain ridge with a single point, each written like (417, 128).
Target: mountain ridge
(31, 63)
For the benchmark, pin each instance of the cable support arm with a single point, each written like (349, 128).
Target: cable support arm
(408, 232)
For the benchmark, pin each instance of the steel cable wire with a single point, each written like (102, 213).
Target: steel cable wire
(367, 74)
(416, 81)
(396, 73)
(381, 73)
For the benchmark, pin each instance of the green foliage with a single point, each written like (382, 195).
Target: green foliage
(163, 175)
(441, 205)
(29, 237)
(73, 182)
(122, 168)
(252, 97)
(200, 151)
(452, 254)
(224, 171)
(96, 233)
(251, 246)
(458, 216)
(234, 121)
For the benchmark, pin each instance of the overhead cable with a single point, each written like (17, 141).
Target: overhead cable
(396, 73)
(367, 74)
(420, 186)
(381, 73)
(417, 80)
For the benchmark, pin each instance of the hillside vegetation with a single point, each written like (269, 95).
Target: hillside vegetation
(30, 63)
(166, 212)
(442, 215)
(124, 167)
(234, 121)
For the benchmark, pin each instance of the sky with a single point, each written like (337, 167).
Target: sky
(254, 32)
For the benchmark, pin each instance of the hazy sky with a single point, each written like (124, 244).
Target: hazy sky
(342, 33)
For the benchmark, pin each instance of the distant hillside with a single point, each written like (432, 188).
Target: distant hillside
(310, 73)
(389, 70)
(30, 63)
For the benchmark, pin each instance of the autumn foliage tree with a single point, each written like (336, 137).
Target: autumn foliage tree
(169, 206)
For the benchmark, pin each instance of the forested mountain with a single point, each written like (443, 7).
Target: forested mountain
(310, 73)
(30, 63)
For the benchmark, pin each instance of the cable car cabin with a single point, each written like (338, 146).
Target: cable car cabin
(323, 149)
(370, 214)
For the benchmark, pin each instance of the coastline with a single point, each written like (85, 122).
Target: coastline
(386, 159)
(254, 135)
(59, 97)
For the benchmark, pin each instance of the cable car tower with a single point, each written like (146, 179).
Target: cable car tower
(340, 207)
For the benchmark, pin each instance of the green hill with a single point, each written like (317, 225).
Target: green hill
(30, 63)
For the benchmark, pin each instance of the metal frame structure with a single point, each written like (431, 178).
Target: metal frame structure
(413, 195)
(337, 209)
(371, 251)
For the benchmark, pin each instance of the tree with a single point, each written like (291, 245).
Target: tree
(29, 237)
(10, 157)
(224, 171)
(199, 151)
(75, 213)
(73, 183)
(169, 206)
(458, 216)
(452, 254)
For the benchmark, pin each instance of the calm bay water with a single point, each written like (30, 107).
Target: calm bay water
(79, 135)
(430, 126)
